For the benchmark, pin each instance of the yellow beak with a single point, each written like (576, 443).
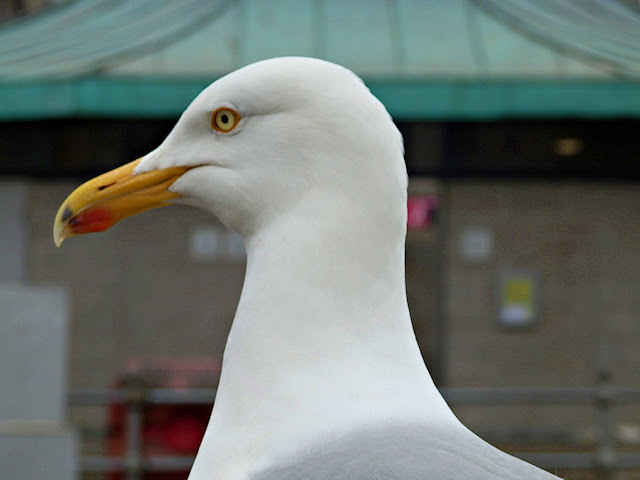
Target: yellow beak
(105, 200)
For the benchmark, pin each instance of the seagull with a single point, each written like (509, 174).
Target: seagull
(322, 376)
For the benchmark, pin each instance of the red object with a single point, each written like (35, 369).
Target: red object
(420, 211)
(167, 430)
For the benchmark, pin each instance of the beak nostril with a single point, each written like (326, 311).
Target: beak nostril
(66, 214)
(102, 187)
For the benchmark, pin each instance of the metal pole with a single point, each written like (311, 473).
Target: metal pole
(606, 460)
(136, 394)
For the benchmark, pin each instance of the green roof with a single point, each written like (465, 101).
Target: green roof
(454, 59)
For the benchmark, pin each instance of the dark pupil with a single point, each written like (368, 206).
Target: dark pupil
(224, 118)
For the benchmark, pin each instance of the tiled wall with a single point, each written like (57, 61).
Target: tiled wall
(135, 289)
(583, 242)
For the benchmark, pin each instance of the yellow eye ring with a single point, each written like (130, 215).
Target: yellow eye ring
(225, 119)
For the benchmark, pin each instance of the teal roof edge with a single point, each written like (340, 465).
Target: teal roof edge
(429, 100)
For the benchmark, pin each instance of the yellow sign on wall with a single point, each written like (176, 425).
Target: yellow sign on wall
(518, 300)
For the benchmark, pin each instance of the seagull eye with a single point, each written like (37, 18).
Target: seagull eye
(224, 119)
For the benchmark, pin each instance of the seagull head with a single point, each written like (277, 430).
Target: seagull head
(255, 145)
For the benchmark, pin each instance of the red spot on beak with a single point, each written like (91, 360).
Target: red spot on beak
(92, 220)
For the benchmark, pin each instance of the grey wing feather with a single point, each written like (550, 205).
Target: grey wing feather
(408, 453)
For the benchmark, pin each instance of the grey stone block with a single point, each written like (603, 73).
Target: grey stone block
(33, 353)
(41, 450)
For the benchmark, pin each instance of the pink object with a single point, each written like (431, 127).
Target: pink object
(420, 210)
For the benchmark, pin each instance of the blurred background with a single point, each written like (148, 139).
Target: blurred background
(521, 126)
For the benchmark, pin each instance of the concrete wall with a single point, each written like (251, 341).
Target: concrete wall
(34, 451)
(33, 348)
(34, 442)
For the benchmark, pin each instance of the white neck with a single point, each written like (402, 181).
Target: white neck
(322, 341)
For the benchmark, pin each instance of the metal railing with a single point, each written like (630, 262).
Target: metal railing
(606, 459)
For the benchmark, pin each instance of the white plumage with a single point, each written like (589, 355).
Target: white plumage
(322, 376)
